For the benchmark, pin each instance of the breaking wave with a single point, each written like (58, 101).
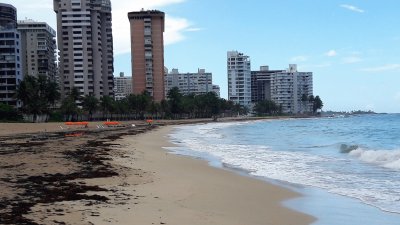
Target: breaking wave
(386, 158)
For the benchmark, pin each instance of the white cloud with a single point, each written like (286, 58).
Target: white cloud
(299, 58)
(384, 68)
(312, 67)
(175, 27)
(331, 53)
(351, 60)
(42, 10)
(352, 8)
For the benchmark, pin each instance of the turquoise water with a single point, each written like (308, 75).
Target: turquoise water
(347, 168)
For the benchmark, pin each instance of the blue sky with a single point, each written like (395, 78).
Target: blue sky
(352, 47)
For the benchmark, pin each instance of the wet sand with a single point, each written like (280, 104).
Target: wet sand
(123, 176)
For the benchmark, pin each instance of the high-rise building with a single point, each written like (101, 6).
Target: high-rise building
(261, 84)
(11, 72)
(122, 86)
(38, 49)
(239, 78)
(147, 50)
(288, 87)
(86, 46)
(189, 83)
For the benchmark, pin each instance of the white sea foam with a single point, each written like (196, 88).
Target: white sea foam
(340, 175)
(385, 158)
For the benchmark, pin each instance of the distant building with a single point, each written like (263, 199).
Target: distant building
(11, 72)
(189, 83)
(122, 86)
(288, 87)
(147, 49)
(38, 49)
(86, 46)
(239, 78)
(217, 90)
(261, 84)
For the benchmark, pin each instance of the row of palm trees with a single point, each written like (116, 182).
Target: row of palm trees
(40, 95)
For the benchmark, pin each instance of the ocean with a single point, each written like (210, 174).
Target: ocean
(347, 168)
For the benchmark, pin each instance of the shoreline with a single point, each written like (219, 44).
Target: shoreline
(184, 190)
(140, 184)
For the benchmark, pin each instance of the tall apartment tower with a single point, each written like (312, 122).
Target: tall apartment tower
(86, 46)
(10, 55)
(288, 87)
(239, 78)
(38, 49)
(147, 50)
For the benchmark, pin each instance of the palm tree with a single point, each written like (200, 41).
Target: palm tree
(175, 101)
(37, 95)
(90, 104)
(107, 105)
(318, 104)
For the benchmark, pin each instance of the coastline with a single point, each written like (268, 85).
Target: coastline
(156, 187)
(183, 190)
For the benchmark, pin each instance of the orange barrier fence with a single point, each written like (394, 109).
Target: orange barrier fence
(77, 123)
(112, 123)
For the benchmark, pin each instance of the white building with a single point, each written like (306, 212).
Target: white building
(86, 46)
(122, 86)
(239, 78)
(189, 83)
(288, 87)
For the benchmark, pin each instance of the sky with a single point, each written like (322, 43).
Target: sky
(351, 46)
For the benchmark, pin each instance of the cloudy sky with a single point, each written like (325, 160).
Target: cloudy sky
(351, 46)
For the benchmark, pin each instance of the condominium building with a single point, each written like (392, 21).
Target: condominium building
(189, 83)
(147, 50)
(217, 90)
(288, 87)
(239, 78)
(38, 49)
(86, 46)
(122, 86)
(261, 84)
(11, 72)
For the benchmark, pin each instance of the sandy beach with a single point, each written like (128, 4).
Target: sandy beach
(123, 176)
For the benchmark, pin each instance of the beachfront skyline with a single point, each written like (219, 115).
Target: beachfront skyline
(352, 47)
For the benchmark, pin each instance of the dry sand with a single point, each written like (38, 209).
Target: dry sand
(73, 181)
(181, 190)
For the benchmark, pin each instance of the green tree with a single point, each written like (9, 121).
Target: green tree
(165, 109)
(175, 101)
(107, 106)
(37, 95)
(9, 113)
(317, 104)
(142, 103)
(90, 105)
(266, 107)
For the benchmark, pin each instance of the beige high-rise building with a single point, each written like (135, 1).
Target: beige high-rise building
(86, 46)
(38, 41)
(147, 50)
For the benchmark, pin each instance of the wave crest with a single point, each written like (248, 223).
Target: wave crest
(386, 158)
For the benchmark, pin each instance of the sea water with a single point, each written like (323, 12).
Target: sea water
(348, 168)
